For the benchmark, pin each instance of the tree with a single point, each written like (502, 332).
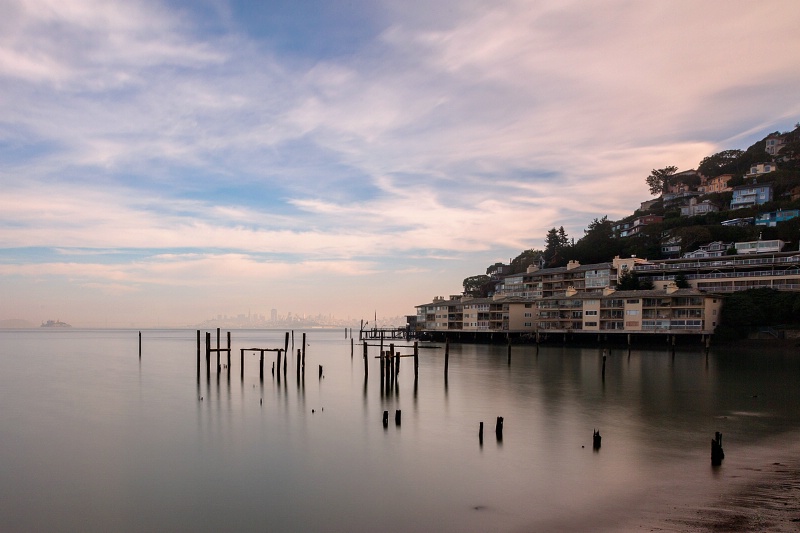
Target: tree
(681, 282)
(725, 162)
(477, 286)
(658, 178)
(627, 282)
(556, 242)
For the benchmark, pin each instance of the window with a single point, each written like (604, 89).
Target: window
(528, 315)
(527, 324)
(591, 324)
(528, 306)
(635, 301)
(632, 312)
(590, 313)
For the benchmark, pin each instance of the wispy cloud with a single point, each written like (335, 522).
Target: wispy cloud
(198, 153)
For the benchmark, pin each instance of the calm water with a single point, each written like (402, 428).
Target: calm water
(93, 439)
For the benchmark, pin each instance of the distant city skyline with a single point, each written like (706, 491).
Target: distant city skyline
(168, 161)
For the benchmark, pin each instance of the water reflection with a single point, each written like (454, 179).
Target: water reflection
(263, 457)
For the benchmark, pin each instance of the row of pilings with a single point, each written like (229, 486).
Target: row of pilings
(389, 370)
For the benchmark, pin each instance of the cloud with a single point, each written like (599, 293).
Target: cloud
(155, 145)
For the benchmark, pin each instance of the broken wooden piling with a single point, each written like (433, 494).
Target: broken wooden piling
(717, 454)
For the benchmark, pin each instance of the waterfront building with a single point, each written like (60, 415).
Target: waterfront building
(650, 311)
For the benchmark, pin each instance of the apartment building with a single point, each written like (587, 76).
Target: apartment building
(670, 310)
(750, 195)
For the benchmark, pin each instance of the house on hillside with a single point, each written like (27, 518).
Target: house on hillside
(718, 184)
(759, 169)
(714, 249)
(694, 208)
(773, 218)
(759, 247)
(774, 143)
(634, 227)
(750, 195)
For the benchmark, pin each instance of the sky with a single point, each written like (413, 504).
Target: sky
(165, 162)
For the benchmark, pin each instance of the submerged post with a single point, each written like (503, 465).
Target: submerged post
(286, 343)
(416, 360)
(366, 362)
(717, 455)
(260, 365)
(280, 354)
(140, 345)
(596, 438)
(304, 349)
(351, 347)
(208, 352)
(386, 419)
(446, 355)
(392, 359)
(198, 351)
(229, 352)
(397, 417)
(480, 433)
(498, 428)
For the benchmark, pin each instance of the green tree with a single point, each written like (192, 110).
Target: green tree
(476, 285)
(556, 243)
(658, 179)
(681, 281)
(725, 162)
(627, 282)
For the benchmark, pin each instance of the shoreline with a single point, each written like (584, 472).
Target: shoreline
(757, 488)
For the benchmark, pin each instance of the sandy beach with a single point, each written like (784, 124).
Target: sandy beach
(755, 489)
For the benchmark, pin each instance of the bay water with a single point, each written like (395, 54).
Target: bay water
(95, 439)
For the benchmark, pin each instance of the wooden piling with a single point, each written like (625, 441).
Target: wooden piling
(351, 347)
(285, 344)
(298, 364)
(260, 365)
(393, 360)
(386, 419)
(241, 363)
(229, 352)
(285, 363)
(280, 355)
(304, 349)
(498, 428)
(218, 346)
(480, 433)
(198, 350)
(320, 371)
(416, 360)
(446, 356)
(397, 413)
(366, 362)
(717, 455)
(208, 352)
(596, 438)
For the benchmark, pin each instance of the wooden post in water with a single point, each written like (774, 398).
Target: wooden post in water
(366, 362)
(320, 371)
(260, 366)
(208, 352)
(218, 345)
(717, 455)
(286, 343)
(596, 439)
(386, 419)
(285, 362)
(299, 360)
(292, 339)
(446, 356)
(198, 351)
(241, 363)
(480, 433)
(304, 349)
(604, 365)
(397, 417)
(140, 345)
(280, 354)
(351, 346)
(394, 361)
(498, 428)
(229, 352)
(416, 360)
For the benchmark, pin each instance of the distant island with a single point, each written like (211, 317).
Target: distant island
(55, 324)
